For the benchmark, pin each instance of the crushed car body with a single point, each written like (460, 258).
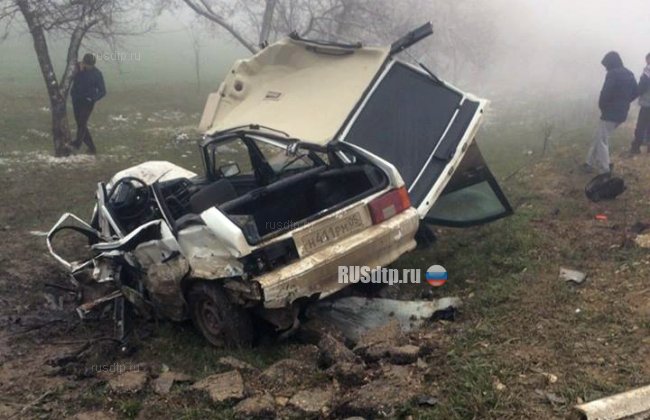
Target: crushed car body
(315, 156)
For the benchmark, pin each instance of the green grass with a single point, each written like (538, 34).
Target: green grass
(504, 272)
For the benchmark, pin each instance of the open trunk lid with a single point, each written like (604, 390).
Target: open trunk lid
(321, 93)
(302, 88)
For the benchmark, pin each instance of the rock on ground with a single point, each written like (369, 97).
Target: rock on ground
(287, 374)
(236, 364)
(375, 344)
(333, 351)
(348, 374)
(131, 381)
(312, 401)
(388, 334)
(307, 353)
(395, 388)
(223, 387)
(404, 355)
(163, 384)
(258, 407)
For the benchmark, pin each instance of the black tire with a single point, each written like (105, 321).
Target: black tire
(221, 322)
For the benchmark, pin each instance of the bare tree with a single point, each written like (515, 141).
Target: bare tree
(75, 20)
(267, 20)
(461, 45)
(220, 14)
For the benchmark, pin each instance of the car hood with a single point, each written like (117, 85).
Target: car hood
(305, 89)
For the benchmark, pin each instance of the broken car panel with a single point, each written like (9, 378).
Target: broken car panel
(315, 156)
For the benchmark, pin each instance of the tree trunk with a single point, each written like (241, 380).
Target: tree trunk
(60, 128)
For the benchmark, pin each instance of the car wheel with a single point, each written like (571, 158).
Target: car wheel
(221, 322)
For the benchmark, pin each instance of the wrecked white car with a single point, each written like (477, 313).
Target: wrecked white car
(316, 156)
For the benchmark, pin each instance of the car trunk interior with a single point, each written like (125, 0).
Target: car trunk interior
(291, 202)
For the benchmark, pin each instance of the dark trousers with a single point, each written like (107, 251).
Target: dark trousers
(82, 110)
(642, 132)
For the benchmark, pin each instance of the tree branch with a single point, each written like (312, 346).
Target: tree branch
(207, 12)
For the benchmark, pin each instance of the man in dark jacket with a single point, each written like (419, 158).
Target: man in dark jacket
(642, 132)
(87, 88)
(619, 90)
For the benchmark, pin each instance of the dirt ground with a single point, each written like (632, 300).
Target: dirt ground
(524, 345)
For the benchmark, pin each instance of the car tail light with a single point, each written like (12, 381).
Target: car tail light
(388, 205)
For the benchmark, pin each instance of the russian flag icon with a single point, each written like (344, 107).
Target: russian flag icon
(436, 276)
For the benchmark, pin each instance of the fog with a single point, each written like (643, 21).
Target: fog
(557, 45)
(537, 48)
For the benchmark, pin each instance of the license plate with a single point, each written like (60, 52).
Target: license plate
(327, 233)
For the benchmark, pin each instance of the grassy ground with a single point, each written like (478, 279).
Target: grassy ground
(524, 345)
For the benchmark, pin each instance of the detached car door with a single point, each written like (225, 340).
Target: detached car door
(426, 128)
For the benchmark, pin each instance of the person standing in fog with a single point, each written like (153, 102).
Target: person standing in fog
(642, 132)
(619, 90)
(87, 88)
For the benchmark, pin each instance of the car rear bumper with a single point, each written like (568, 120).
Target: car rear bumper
(317, 274)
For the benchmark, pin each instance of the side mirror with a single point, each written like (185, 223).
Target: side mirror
(230, 169)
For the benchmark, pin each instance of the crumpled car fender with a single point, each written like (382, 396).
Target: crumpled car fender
(79, 226)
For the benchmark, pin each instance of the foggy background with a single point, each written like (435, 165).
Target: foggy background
(529, 48)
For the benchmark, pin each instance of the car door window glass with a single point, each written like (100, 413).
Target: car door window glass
(234, 151)
(477, 202)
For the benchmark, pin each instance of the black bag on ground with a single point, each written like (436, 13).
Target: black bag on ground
(604, 187)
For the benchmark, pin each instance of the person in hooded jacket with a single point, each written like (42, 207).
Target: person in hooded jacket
(87, 88)
(619, 90)
(642, 132)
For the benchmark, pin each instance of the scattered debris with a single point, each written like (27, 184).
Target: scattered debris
(572, 276)
(355, 316)
(550, 378)
(643, 240)
(498, 385)
(118, 118)
(181, 137)
(427, 400)
(223, 387)
(630, 404)
(550, 397)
